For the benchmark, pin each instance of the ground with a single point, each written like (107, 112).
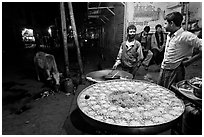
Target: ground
(24, 113)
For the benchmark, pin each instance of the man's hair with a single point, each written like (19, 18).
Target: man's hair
(158, 26)
(147, 28)
(176, 17)
(131, 27)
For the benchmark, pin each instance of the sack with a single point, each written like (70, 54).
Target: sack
(192, 120)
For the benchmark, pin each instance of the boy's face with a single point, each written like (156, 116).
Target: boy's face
(131, 33)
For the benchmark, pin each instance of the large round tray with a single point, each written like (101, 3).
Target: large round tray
(160, 110)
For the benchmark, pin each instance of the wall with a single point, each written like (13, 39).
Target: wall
(142, 14)
(195, 9)
(113, 32)
(152, 13)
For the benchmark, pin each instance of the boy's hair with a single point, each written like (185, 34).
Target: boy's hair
(147, 28)
(158, 26)
(131, 27)
(176, 17)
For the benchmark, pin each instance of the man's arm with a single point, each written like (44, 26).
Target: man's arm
(118, 59)
(189, 61)
(140, 53)
(197, 43)
(164, 43)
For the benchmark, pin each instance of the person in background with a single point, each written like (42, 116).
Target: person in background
(178, 51)
(37, 42)
(130, 54)
(145, 39)
(158, 42)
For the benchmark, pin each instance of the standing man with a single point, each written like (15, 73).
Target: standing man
(130, 53)
(158, 42)
(145, 39)
(178, 51)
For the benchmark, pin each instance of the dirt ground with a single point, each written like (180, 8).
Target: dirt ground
(23, 113)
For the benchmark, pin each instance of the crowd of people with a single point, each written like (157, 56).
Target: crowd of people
(151, 51)
(172, 50)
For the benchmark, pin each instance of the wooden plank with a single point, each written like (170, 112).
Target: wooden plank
(75, 37)
(64, 35)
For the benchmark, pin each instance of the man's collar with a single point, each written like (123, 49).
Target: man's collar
(177, 32)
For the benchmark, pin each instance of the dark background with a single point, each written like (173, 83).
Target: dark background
(36, 15)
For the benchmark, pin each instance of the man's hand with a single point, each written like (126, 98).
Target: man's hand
(187, 61)
(114, 66)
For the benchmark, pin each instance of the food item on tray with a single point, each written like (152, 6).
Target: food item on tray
(130, 103)
(128, 99)
(185, 86)
(196, 81)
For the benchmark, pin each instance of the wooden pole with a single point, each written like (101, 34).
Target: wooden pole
(75, 37)
(64, 34)
(187, 12)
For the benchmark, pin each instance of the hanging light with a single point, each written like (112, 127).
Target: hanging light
(50, 31)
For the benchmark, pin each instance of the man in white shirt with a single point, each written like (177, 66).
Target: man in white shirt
(178, 51)
(130, 54)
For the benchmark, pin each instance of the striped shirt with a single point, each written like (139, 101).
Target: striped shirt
(178, 47)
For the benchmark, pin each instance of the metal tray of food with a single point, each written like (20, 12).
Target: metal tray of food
(187, 89)
(130, 107)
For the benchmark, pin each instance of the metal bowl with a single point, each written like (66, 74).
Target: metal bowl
(188, 90)
(197, 91)
(107, 74)
(197, 86)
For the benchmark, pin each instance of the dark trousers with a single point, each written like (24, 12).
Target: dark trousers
(168, 77)
(131, 70)
(157, 56)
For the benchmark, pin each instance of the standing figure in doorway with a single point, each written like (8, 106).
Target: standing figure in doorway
(130, 54)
